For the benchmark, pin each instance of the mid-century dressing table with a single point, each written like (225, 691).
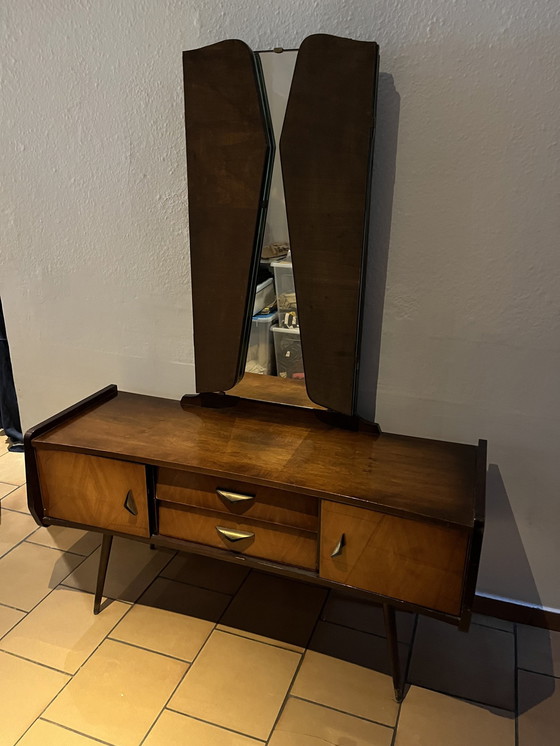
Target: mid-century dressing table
(268, 472)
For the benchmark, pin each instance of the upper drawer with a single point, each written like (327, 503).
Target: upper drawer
(238, 498)
(94, 491)
(414, 561)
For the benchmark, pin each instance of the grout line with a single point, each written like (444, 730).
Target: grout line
(57, 549)
(404, 682)
(342, 712)
(537, 673)
(72, 676)
(37, 663)
(15, 608)
(178, 685)
(208, 722)
(516, 684)
(465, 699)
(243, 582)
(148, 650)
(263, 641)
(73, 730)
(298, 667)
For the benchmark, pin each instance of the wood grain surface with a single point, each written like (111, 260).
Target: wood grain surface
(273, 506)
(92, 491)
(290, 450)
(229, 151)
(277, 543)
(326, 150)
(403, 559)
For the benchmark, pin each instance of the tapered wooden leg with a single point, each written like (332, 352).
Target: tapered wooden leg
(392, 643)
(102, 571)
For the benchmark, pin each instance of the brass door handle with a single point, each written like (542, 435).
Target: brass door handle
(130, 504)
(233, 535)
(234, 497)
(339, 547)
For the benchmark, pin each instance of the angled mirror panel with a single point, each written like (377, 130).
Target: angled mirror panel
(229, 155)
(326, 152)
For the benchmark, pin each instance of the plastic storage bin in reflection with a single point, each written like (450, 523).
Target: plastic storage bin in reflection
(260, 356)
(264, 295)
(285, 293)
(287, 346)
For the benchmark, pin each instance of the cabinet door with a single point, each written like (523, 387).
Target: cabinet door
(409, 560)
(93, 491)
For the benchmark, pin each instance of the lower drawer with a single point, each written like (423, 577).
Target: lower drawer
(414, 561)
(289, 546)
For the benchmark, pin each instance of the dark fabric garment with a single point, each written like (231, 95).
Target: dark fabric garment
(9, 412)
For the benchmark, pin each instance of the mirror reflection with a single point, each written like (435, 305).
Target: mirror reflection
(274, 343)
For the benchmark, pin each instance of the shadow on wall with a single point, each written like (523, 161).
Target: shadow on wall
(501, 531)
(381, 209)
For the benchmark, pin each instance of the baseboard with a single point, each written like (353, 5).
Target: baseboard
(516, 612)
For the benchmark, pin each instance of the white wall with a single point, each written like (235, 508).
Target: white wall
(94, 275)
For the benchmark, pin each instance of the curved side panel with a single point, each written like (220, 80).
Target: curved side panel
(228, 156)
(326, 150)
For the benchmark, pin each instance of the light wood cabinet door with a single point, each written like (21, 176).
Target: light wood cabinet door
(414, 561)
(93, 491)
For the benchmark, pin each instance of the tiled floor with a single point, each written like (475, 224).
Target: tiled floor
(190, 651)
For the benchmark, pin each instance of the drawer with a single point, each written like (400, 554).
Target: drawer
(238, 498)
(290, 546)
(94, 491)
(414, 561)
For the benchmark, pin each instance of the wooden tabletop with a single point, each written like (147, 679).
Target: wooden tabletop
(282, 447)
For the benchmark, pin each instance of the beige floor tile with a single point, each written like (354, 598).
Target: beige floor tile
(365, 616)
(347, 687)
(260, 638)
(6, 489)
(14, 528)
(174, 729)
(16, 499)
(274, 607)
(12, 468)
(29, 572)
(8, 619)
(163, 631)
(237, 683)
(538, 650)
(132, 567)
(429, 719)
(477, 665)
(43, 733)
(62, 631)
(67, 539)
(539, 709)
(3, 443)
(185, 599)
(369, 651)
(25, 690)
(307, 724)
(117, 694)
(205, 572)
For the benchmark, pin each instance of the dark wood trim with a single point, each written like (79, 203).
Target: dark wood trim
(34, 501)
(517, 612)
(473, 559)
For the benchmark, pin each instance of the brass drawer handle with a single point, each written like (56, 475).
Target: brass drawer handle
(339, 547)
(234, 497)
(130, 504)
(233, 535)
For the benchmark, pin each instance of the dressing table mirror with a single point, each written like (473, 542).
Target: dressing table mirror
(318, 104)
(262, 475)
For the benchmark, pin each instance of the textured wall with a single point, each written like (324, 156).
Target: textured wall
(465, 240)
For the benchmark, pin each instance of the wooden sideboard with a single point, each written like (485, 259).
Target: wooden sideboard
(396, 518)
